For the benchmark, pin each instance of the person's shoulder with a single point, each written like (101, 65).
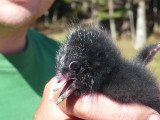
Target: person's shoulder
(39, 38)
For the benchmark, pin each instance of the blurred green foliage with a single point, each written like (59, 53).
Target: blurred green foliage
(103, 15)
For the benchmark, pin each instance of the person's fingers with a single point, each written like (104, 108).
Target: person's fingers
(95, 107)
(99, 107)
(48, 110)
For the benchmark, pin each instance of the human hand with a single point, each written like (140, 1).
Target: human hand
(94, 107)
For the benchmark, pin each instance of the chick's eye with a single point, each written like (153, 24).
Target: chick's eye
(75, 65)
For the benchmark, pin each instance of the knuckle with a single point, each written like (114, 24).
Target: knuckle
(47, 86)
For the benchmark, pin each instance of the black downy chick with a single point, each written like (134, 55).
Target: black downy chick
(89, 62)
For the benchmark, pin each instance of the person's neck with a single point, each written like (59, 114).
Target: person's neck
(12, 42)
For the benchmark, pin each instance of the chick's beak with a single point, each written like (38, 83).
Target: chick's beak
(68, 89)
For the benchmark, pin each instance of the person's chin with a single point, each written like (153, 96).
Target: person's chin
(20, 1)
(15, 17)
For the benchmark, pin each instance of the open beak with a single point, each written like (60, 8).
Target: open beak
(68, 89)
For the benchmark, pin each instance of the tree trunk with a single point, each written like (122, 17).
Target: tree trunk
(155, 11)
(112, 22)
(141, 34)
(54, 18)
(131, 19)
(85, 5)
(94, 13)
(46, 18)
(73, 5)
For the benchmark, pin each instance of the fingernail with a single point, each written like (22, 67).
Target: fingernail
(154, 117)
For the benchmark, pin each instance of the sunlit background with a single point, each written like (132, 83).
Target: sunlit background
(132, 24)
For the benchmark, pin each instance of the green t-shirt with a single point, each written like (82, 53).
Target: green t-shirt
(24, 75)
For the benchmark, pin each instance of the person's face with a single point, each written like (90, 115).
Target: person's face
(19, 13)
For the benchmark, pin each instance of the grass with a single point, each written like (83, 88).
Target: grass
(127, 50)
(61, 36)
